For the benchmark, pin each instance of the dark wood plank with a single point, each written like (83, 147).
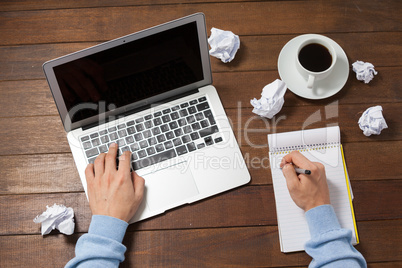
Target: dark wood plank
(251, 129)
(27, 174)
(39, 174)
(249, 246)
(10, 5)
(257, 53)
(361, 158)
(258, 18)
(46, 134)
(236, 89)
(245, 206)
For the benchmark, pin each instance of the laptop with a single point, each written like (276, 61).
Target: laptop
(151, 93)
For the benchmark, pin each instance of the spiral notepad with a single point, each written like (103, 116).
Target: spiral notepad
(318, 145)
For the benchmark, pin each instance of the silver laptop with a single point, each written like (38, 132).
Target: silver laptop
(151, 93)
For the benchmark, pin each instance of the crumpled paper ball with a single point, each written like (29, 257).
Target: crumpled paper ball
(372, 121)
(364, 71)
(224, 44)
(271, 100)
(56, 217)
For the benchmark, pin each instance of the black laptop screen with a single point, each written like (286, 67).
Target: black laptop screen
(131, 72)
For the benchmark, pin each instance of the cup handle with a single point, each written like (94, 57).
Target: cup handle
(310, 81)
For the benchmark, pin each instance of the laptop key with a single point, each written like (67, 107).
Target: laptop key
(121, 142)
(181, 150)
(143, 144)
(191, 110)
(121, 126)
(182, 122)
(219, 139)
(199, 116)
(174, 116)
(94, 135)
(141, 153)
(184, 105)
(159, 148)
(138, 136)
(176, 108)
(122, 133)
(208, 131)
(157, 114)
(130, 123)
(96, 142)
(129, 139)
(87, 145)
(104, 139)
(208, 140)
(194, 136)
(92, 152)
(193, 102)
(191, 146)
(168, 144)
(112, 129)
(165, 128)
(92, 160)
(148, 117)
(113, 136)
(165, 118)
(169, 135)
(139, 127)
(156, 158)
(131, 130)
(173, 125)
(151, 150)
(166, 111)
(178, 132)
(148, 124)
(156, 131)
(202, 106)
(103, 149)
(161, 138)
(186, 138)
(177, 142)
(157, 121)
(204, 123)
(202, 99)
(134, 147)
(146, 134)
(152, 141)
(86, 138)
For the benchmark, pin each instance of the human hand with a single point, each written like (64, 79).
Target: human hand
(111, 192)
(307, 191)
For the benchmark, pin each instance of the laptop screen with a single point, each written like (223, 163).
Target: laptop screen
(132, 72)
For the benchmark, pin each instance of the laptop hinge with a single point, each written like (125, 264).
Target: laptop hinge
(142, 108)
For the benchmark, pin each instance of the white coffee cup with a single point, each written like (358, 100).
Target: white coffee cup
(311, 73)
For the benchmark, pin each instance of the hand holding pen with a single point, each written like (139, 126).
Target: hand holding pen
(307, 184)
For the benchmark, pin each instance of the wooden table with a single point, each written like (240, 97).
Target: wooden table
(236, 228)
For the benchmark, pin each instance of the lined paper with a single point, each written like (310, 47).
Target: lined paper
(292, 224)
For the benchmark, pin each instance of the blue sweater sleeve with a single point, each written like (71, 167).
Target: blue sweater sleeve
(330, 245)
(102, 245)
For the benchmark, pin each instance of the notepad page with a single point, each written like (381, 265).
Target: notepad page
(292, 225)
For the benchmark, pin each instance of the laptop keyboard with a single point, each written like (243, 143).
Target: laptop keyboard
(159, 136)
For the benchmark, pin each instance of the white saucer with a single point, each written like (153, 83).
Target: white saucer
(298, 84)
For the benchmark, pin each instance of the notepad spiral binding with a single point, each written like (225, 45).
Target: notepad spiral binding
(303, 148)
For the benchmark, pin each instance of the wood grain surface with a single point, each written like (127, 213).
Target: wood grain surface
(236, 228)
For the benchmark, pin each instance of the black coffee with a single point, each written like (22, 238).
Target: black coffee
(315, 57)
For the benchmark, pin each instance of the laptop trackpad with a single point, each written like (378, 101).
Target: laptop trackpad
(169, 186)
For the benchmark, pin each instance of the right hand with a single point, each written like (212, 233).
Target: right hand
(112, 192)
(307, 191)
